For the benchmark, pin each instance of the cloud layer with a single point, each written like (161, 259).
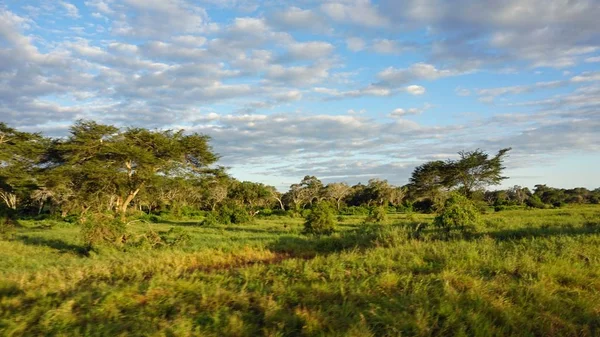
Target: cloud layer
(272, 84)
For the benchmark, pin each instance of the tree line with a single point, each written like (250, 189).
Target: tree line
(100, 168)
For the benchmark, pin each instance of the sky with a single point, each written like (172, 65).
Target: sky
(345, 90)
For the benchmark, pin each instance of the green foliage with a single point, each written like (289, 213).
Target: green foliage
(232, 214)
(210, 219)
(535, 202)
(459, 215)
(355, 210)
(321, 220)
(102, 229)
(377, 214)
(174, 237)
(7, 227)
(474, 170)
(152, 218)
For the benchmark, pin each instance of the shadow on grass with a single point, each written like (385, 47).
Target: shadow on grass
(62, 246)
(190, 223)
(311, 246)
(254, 230)
(521, 233)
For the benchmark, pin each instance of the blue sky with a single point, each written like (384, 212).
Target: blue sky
(346, 90)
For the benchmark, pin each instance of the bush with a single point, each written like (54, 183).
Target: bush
(321, 220)
(457, 215)
(210, 219)
(7, 227)
(103, 229)
(174, 237)
(377, 214)
(227, 214)
(153, 218)
(305, 212)
(240, 215)
(355, 210)
(535, 202)
(424, 206)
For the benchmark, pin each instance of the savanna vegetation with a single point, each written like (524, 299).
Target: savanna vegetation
(137, 232)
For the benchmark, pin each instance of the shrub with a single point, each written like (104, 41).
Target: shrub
(535, 202)
(153, 218)
(7, 227)
(377, 214)
(305, 212)
(321, 220)
(355, 210)
(457, 215)
(103, 229)
(175, 237)
(424, 206)
(210, 219)
(230, 214)
(240, 215)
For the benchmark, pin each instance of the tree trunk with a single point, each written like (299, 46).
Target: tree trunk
(127, 201)
(280, 203)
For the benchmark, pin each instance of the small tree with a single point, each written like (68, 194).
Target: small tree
(457, 215)
(377, 214)
(321, 220)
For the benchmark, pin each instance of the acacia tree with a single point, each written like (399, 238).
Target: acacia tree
(430, 179)
(475, 170)
(116, 165)
(20, 154)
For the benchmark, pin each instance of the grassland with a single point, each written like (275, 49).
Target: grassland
(525, 273)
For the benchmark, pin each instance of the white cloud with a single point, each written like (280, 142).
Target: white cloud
(71, 9)
(359, 12)
(400, 112)
(355, 44)
(415, 90)
(462, 91)
(310, 50)
(592, 59)
(418, 71)
(385, 46)
(294, 18)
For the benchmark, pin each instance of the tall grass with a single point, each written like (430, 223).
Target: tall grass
(524, 273)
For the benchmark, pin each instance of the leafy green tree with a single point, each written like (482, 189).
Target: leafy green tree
(377, 214)
(20, 155)
(458, 214)
(472, 172)
(312, 189)
(475, 170)
(113, 165)
(430, 180)
(336, 192)
(379, 192)
(320, 220)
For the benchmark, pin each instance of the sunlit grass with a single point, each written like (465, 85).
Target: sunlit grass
(525, 272)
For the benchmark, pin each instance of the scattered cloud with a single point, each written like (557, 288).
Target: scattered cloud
(276, 85)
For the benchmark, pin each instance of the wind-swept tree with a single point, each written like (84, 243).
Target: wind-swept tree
(430, 179)
(475, 170)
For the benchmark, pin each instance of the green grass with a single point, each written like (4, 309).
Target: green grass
(525, 273)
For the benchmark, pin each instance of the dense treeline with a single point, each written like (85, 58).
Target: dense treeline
(101, 169)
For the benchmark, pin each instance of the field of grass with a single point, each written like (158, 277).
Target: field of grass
(524, 273)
